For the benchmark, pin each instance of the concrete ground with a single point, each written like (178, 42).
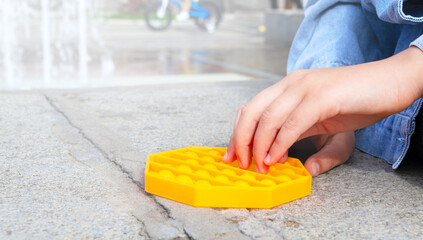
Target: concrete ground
(72, 163)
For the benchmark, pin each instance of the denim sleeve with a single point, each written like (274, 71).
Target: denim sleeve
(418, 42)
(396, 11)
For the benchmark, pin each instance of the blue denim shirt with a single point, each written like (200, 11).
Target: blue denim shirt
(342, 33)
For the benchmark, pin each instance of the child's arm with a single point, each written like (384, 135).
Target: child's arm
(324, 101)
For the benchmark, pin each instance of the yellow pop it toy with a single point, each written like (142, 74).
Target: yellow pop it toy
(195, 176)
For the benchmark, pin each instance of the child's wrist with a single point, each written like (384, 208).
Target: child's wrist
(415, 59)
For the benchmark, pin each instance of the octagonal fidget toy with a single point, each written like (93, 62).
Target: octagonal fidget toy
(196, 176)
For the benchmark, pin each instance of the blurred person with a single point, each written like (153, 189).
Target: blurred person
(184, 14)
(274, 4)
(353, 65)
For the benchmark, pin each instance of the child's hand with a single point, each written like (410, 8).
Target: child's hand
(323, 101)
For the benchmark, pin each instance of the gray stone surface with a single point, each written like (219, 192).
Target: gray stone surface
(54, 183)
(72, 165)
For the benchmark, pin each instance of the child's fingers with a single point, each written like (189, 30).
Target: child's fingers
(284, 157)
(270, 122)
(238, 116)
(262, 168)
(230, 153)
(246, 124)
(336, 151)
(301, 119)
(243, 134)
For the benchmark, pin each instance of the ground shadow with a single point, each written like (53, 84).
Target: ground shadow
(411, 170)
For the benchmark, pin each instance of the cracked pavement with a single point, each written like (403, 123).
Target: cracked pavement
(72, 165)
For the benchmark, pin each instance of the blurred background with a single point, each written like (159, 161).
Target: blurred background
(53, 44)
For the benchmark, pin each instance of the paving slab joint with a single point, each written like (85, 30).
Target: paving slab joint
(164, 210)
(142, 232)
(105, 155)
(188, 235)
